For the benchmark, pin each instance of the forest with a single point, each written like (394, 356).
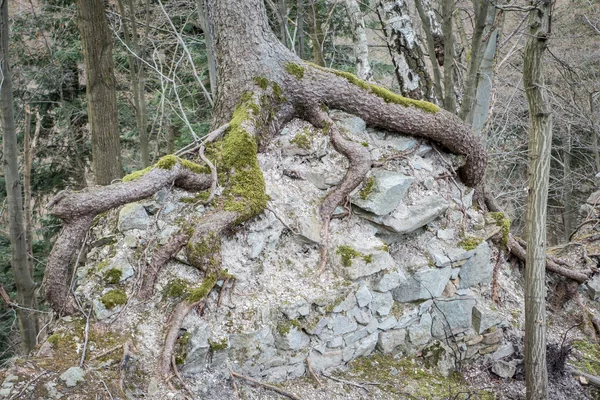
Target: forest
(255, 199)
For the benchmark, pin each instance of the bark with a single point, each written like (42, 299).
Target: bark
(359, 37)
(569, 211)
(300, 11)
(435, 44)
(96, 42)
(449, 80)
(405, 50)
(317, 36)
(27, 318)
(595, 145)
(540, 141)
(210, 53)
(477, 49)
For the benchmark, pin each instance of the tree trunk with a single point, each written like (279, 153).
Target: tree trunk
(569, 211)
(449, 80)
(96, 41)
(20, 266)
(540, 141)
(359, 37)
(208, 40)
(405, 50)
(596, 147)
(317, 36)
(435, 44)
(300, 11)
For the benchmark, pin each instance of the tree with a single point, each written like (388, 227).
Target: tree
(540, 142)
(19, 260)
(359, 37)
(96, 41)
(261, 86)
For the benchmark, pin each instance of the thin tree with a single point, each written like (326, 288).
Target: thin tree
(96, 41)
(20, 265)
(540, 141)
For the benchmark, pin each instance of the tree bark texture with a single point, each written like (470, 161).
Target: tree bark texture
(540, 141)
(359, 37)
(28, 325)
(405, 50)
(96, 42)
(569, 212)
(435, 44)
(449, 79)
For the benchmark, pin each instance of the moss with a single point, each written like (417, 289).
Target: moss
(54, 339)
(347, 254)
(277, 93)
(295, 70)
(115, 297)
(387, 95)
(245, 193)
(470, 243)
(166, 162)
(503, 222)
(283, 328)
(590, 353)
(383, 247)
(261, 82)
(368, 258)
(203, 290)
(103, 264)
(218, 345)
(301, 140)
(204, 254)
(365, 144)
(176, 288)
(113, 276)
(367, 188)
(136, 174)
(198, 197)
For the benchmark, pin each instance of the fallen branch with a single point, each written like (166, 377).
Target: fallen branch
(333, 378)
(266, 386)
(18, 395)
(592, 379)
(104, 353)
(176, 371)
(315, 377)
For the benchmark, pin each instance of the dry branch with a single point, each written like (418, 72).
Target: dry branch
(270, 387)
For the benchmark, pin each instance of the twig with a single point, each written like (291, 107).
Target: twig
(87, 336)
(235, 389)
(282, 221)
(176, 371)
(348, 382)
(316, 378)
(106, 352)
(270, 387)
(592, 379)
(106, 388)
(192, 147)
(17, 395)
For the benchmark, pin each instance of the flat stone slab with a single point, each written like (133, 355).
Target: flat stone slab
(387, 191)
(424, 284)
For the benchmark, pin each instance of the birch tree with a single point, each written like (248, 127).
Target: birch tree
(359, 38)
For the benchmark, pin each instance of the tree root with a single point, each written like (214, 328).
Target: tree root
(360, 165)
(266, 386)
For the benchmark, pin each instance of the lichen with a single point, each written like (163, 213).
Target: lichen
(347, 254)
(365, 144)
(295, 70)
(302, 141)
(102, 264)
(113, 298)
(166, 162)
(367, 188)
(470, 243)
(203, 290)
(283, 328)
(113, 276)
(387, 95)
(504, 223)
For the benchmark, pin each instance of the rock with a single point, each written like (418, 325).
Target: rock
(391, 340)
(363, 296)
(348, 303)
(350, 123)
(166, 233)
(361, 316)
(412, 217)
(505, 350)
(421, 333)
(366, 345)
(476, 340)
(355, 336)
(321, 362)
(379, 260)
(102, 312)
(593, 287)
(133, 216)
(425, 306)
(484, 318)
(118, 263)
(197, 350)
(489, 349)
(294, 311)
(335, 343)
(419, 163)
(440, 356)
(390, 281)
(46, 350)
(493, 337)
(72, 376)
(317, 179)
(505, 369)
(294, 339)
(594, 198)
(387, 189)
(477, 270)
(382, 303)
(388, 323)
(445, 234)
(452, 316)
(341, 325)
(424, 284)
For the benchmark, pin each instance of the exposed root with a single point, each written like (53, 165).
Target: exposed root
(360, 165)
(128, 349)
(312, 372)
(266, 386)
(176, 371)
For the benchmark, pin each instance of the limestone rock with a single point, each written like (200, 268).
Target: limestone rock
(484, 318)
(390, 281)
(452, 316)
(477, 270)
(323, 361)
(72, 376)
(363, 296)
(391, 340)
(387, 191)
(133, 216)
(421, 333)
(504, 369)
(593, 286)
(424, 284)
(382, 303)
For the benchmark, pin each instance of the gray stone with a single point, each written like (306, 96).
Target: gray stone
(388, 190)
(505, 350)
(390, 281)
(477, 270)
(166, 233)
(317, 179)
(438, 354)
(168, 208)
(72, 376)
(484, 318)
(293, 340)
(363, 296)
(355, 336)
(388, 323)
(504, 369)
(341, 324)
(452, 316)
(425, 306)
(102, 312)
(391, 340)
(294, 311)
(414, 217)
(359, 268)
(408, 319)
(350, 123)
(323, 322)
(120, 264)
(348, 303)
(373, 325)
(198, 349)
(593, 287)
(382, 303)
(493, 337)
(424, 284)
(421, 333)
(328, 359)
(366, 345)
(335, 343)
(133, 216)
(361, 316)
(419, 163)
(594, 198)
(445, 234)
(348, 353)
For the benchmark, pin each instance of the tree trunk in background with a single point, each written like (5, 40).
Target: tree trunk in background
(317, 36)
(300, 10)
(208, 40)
(405, 50)
(594, 132)
(283, 27)
(540, 141)
(96, 41)
(568, 186)
(435, 44)
(481, 108)
(449, 80)
(477, 49)
(359, 37)
(23, 280)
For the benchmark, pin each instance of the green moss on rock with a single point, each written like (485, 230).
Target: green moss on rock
(218, 345)
(115, 297)
(113, 276)
(367, 188)
(347, 254)
(203, 290)
(302, 141)
(470, 243)
(283, 328)
(176, 288)
(504, 223)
